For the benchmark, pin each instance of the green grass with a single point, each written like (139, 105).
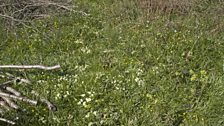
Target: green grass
(118, 68)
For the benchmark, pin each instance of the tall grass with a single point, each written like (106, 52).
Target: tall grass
(167, 7)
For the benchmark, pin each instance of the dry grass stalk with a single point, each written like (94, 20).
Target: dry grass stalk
(165, 6)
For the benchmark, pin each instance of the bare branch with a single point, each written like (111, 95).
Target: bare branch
(9, 95)
(48, 103)
(6, 83)
(29, 67)
(7, 121)
(17, 79)
(12, 18)
(1, 111)
(10, 103)
(3, 104)
(22, 80)
(23, 12)
(13, 91)
(18, 98)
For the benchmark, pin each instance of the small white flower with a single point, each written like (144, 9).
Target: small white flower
(87, 115)
(95, 113)
(83, 95)
(85, 50)
(91, 124)
(84, 104)
(57, 96)
(88, 99)
(79, 41)
(137, 79)
(80, 102)
(89, 92)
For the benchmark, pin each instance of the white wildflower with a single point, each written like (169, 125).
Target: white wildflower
(95, 113)
(88, 99)
(83, 95)
(80, 102)
(87, 115)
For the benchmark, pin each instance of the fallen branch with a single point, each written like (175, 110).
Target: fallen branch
(4, 105)
(23, 12)
(1, 111)
(13, 91)
(10, 103)
(18, 98)
(9, 96)
(12, 18)
(7, 83)
(7, 121)
(29, 67)
(17, 79)
(50, 106)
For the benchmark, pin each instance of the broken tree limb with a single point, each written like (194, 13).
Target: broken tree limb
(29, 67)
(18, 98)
(4, 105)
(10, 103)
(9, 96)
(1, 111)
(12, 90)
(50, 106)
(7, 83)
(22, 80)
(17, 79)
(7, 121)
(11, 18)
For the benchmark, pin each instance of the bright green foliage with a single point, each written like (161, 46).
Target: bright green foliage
(119, 68)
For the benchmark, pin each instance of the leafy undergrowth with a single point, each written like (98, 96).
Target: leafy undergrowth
(118, 68)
